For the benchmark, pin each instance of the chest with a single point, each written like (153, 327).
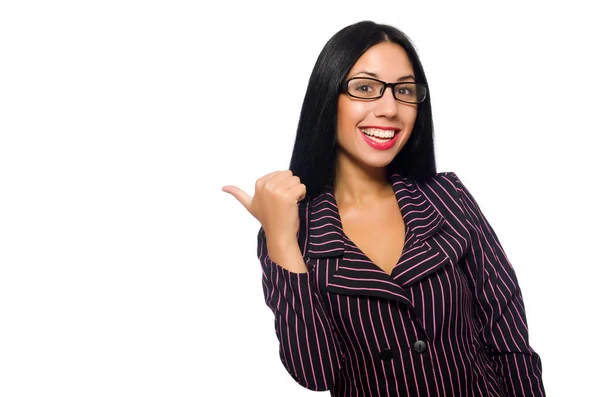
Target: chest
(378, 232)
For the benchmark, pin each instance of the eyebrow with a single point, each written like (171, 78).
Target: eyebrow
(406, 77)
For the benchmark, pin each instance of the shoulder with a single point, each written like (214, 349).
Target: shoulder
(446, 191)
(442, 184)
(449, 186)
(448, 177)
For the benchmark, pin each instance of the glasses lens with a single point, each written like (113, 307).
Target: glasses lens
(369, 89)
(410, 92)
(364, 88)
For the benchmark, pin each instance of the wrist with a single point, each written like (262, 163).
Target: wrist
(287, 255)
(281, 241)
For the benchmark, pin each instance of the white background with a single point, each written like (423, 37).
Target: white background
(125, 271)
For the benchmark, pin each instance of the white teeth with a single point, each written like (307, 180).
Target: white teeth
(378, 133)
(380, 140)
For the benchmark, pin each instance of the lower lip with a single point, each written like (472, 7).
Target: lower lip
(381, 145)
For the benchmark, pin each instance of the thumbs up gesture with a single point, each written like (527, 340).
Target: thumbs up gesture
(274, 205)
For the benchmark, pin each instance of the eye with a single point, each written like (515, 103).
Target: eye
(405, 90)
(364, 88)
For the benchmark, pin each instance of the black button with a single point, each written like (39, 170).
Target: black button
(386, 354)
(420, 347)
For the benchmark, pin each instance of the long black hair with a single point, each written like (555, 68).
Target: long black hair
(315, 147)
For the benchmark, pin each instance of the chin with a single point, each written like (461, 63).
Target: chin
(380, 162)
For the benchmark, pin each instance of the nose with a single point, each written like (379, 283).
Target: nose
(387, 106)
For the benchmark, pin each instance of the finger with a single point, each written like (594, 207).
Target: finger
(298, 192)
(267, 176)
(281, 177)
(289, 182)
(260, 182)
(244, 198)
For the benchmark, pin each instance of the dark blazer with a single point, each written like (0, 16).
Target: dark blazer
(449, 321)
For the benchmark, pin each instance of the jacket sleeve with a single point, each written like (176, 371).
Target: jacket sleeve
(499, 309)
(308, 346)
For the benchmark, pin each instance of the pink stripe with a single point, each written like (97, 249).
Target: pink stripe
(368, 289)
(388, 344)
(324, 251)
(320, 219)
(298, 346)
(395, 333)
(356, 336)
(376, 342)
(327, 242)
(325, 234)
(417, 265)
(352, 363)
(435, 330)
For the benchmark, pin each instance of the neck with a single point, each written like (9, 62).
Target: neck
(355, 185)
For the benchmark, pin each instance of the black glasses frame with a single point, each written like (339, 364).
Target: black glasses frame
(385, 86)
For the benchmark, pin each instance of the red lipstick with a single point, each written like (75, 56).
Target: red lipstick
(388, 144)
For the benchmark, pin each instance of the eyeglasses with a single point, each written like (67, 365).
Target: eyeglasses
(368, 88)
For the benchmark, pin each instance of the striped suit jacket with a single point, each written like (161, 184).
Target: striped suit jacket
(448, 321)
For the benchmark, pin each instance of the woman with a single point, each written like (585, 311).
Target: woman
(384, 276)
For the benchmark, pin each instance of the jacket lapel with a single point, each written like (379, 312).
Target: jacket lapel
(419, 259)
(327, 241)
(422, 255)
(325, 237)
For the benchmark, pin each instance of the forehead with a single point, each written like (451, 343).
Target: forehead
(386, 60)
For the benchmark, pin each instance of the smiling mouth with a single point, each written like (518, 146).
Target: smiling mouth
(379, 135)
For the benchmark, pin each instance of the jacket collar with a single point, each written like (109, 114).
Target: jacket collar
(421, 218)
(419, 258)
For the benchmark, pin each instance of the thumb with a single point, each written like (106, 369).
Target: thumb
(239, 194)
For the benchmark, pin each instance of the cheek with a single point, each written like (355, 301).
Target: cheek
(349, 115)
(409, 116)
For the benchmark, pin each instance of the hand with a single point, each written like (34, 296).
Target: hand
(274, 205)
